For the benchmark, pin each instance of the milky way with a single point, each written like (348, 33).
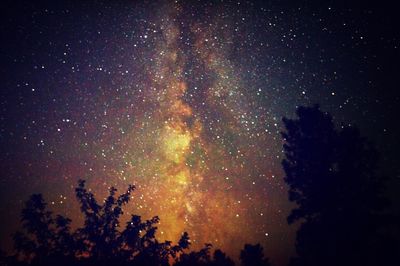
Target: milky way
(195, 137)
(184, 99)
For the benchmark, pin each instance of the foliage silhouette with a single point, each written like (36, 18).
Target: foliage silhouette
(332, 177)
(203, 258)
(252, 255)
(221, 259)
(47, 239)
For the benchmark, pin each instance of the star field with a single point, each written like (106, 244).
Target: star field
(184, 99)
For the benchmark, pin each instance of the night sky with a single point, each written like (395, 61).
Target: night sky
(184, 99)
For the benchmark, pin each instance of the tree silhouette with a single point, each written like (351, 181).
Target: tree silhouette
(252, 255)
(99, 234)
(220, 259)
(137, 242)
(48, 240)
(203, 258)
(45, 237)
(332, 177)
(196, 258)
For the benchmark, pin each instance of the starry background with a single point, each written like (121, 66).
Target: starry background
(184, 99)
